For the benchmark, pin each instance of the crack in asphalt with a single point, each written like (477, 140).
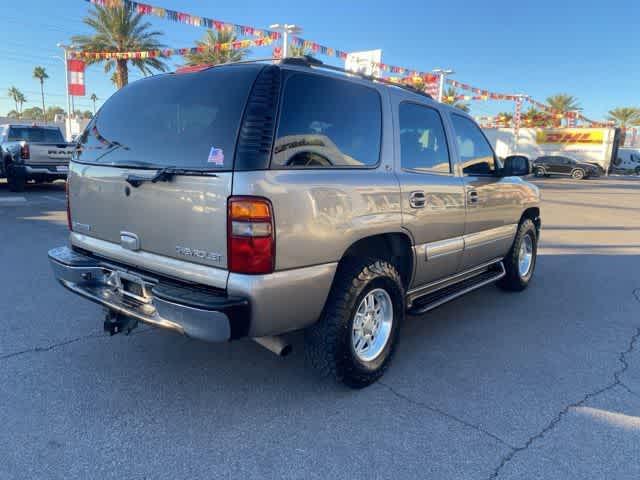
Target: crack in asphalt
(63, 343)
(446, 414)
(48, 348)
(622, 358)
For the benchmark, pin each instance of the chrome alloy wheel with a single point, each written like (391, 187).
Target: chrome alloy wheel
(372, 325)
(525, 256)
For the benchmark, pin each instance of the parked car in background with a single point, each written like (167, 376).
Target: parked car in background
(560, 165)
(252, 200)
(32, 152)
(627, 161)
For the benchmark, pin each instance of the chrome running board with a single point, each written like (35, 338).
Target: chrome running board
(434, 299)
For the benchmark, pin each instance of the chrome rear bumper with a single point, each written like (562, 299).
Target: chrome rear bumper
(206, 315)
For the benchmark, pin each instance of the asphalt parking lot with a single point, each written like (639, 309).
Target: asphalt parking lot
(543, 385)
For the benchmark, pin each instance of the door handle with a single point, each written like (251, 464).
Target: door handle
(417, 199)
(472, 195)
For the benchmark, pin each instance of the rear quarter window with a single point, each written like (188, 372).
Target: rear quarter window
(186, 120)
(327, 123)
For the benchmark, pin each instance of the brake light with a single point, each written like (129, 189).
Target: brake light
(66, 192)
(24, 151)
(250, 235)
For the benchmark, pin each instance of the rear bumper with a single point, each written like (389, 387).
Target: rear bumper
(205, 315)
(41, 170)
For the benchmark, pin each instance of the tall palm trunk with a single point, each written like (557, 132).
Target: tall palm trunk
(123, 72)
(42, 93)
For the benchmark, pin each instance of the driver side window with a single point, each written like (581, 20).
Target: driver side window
(476, 154)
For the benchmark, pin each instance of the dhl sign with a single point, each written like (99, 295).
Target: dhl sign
(570, 136)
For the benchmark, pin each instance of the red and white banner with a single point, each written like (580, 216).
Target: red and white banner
(75, 69)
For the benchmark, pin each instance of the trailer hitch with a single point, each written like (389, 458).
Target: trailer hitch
(115, 323)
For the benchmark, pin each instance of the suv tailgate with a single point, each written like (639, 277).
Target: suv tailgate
(184, 218)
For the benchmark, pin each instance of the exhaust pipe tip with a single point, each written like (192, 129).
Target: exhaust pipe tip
(275, 344)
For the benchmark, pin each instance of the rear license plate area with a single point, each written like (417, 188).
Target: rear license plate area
(129, 286)
(133, 288)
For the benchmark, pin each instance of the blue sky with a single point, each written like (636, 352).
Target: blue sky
(585, 48)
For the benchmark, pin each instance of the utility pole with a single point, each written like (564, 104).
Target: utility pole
(285, 29)
(442, 73)
(66, 49)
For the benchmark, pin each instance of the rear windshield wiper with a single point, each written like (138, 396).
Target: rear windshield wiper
(165, 174)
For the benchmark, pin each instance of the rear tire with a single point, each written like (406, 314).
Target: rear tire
(519, 271)
(15, 180)
(539, 172)
(335, 345)
(637, 170)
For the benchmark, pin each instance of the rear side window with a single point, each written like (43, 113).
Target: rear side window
(327, 123)
(186, 120)
(476, 154)
(35, 135)
(423, 143)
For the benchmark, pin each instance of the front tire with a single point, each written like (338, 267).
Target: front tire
(540, 172)
(356, 336)
(520, 262)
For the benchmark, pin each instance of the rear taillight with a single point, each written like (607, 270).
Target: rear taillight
(24, 151)
(250, 235)
(66, 191)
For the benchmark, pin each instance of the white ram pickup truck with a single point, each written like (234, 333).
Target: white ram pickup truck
(32, 152)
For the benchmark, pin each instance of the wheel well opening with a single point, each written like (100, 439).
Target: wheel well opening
(532, 214)
(392, 247)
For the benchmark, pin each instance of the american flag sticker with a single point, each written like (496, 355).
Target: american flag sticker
(216, 156)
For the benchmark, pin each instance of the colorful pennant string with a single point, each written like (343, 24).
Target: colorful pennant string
(186, 18)
(383, 67)
(169, 52)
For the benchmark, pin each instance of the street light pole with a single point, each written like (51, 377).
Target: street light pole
(286, 29)
(442, 73)
(65, 49)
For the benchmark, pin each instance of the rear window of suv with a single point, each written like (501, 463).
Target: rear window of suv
(327, 123)
(35, 135)
(188, 120)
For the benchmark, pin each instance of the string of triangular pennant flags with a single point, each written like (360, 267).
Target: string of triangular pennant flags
(169, 52)
(187, 18)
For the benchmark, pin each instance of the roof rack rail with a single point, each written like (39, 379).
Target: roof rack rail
(312, 62)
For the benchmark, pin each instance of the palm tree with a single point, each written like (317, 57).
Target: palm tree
(15, 95)
(213, 56)
(93, 98)
(625, 116)
(119, 29)
(21, 99)
(449, 98)
(535, 118)
(504, 118)
(563, 103)
(40, 73)
(297, 51)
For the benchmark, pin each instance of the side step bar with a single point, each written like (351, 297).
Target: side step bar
(435, 299)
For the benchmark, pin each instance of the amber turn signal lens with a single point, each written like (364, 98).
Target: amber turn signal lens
(250, 210)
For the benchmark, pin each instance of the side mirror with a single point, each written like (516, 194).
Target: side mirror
(516, 166)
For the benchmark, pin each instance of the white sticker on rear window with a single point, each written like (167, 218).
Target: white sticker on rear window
(216, 156)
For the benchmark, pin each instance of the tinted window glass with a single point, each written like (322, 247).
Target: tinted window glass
(475, 152)
(326, 122)
(186, 120)
(423, 144)
(35, 135)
